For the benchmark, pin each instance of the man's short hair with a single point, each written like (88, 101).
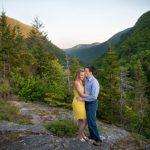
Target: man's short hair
(91, 69)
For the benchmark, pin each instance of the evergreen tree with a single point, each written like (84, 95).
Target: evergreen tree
(6, 41)
(13, 53)
(140, 96)
(74, 66)
(110, 87)
(47, 66)
(125, 88)
(67, 74)
(12, 49)
(38, 44)
(55, 80)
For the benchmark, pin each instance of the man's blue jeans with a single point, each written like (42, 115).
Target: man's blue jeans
(91, 108)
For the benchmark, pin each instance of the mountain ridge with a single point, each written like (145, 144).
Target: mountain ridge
(25, 30)
(24, 27)
(89, 52)
(84, 45)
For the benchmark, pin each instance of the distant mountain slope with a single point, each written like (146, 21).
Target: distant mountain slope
(117, 37)
(87, 53)
(25, 29)
(134, 45)
(79, 51)
(137, 39)
(80, 46)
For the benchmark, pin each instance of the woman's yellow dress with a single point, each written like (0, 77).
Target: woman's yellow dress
(79, 111)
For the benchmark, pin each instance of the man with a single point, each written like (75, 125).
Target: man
(91, 104)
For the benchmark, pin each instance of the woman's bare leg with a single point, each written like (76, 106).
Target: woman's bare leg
(82, 125)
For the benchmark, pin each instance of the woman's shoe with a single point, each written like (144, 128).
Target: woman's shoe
(86, 138)
(82, 140)
(90, 141)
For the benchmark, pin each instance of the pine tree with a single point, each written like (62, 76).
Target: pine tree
(55, 80)
(124, 87)
(110, 87)
(13, 51)
(47, 66)
(38, 44)
(5, 36)
(67, 73)
(74, 66)
(140, 96)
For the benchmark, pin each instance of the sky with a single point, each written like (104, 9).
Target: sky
(73, 22)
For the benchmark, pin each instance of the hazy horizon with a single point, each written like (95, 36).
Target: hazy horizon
(73, 22)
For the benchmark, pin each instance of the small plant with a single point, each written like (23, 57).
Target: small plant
(66, 127)
(24, 121)
(5, 88)
(137, 137)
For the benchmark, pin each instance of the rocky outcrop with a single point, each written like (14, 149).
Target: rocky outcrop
(36, 137)
(48, 142)
(7, 127)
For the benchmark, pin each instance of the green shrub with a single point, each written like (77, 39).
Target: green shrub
(65, 127)
(137, 137)
(34, 89)
(56, 92)
(24, 121)
(29, 89)
(4, 87)
(131, 118)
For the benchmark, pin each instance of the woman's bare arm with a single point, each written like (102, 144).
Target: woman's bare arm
(78, 88)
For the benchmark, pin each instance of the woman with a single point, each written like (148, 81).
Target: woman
(79, 106)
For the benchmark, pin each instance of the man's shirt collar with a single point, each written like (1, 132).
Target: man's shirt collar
(90, 78)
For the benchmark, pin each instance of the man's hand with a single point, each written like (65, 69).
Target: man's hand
(79, 98)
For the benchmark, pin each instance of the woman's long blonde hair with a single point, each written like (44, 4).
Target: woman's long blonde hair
(78, 73)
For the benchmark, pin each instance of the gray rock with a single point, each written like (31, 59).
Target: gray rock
(147, 147)
(6, 126)
(49, 142)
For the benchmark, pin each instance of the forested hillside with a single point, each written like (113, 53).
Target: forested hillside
(124, 74)
(32, 67)
(25, 31)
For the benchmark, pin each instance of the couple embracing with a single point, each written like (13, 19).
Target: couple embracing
(85, 104)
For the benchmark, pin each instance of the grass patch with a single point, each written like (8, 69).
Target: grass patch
(137, 138)
(11, 113)
(66, 127)
(41, 112)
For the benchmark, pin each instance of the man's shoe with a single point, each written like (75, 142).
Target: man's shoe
(102, 138)
(97, 143)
